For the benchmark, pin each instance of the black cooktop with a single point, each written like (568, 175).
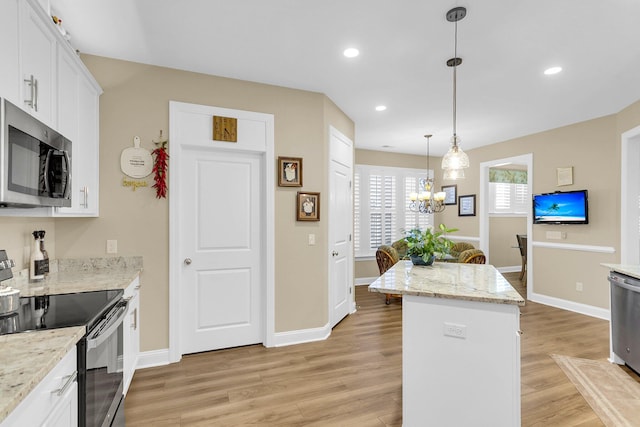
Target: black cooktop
(59, 311)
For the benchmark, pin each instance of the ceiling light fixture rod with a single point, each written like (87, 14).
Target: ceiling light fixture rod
(456, 160)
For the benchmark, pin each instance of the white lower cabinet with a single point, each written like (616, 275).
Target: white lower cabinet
(131, 333)
(53, 402)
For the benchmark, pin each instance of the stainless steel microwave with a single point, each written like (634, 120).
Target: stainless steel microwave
(35, 161)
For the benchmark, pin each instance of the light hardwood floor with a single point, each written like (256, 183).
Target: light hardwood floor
(354, 377)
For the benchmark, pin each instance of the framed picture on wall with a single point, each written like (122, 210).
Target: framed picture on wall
(467, 205)
(290, 171)
(451, 192)
(308, 206)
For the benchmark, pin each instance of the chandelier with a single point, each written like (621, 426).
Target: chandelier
(427, 200)
(455, 161)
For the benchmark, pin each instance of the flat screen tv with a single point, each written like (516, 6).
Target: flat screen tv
(561, 207)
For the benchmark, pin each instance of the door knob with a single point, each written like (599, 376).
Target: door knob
(334, 253)
(187, 261)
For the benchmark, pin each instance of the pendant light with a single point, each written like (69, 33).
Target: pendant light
(427, 200)
(455, 161)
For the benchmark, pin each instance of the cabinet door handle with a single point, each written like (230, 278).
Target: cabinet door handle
(86, 197)
(135, 319)
(31, 82)
(70, 380)
(35, 91)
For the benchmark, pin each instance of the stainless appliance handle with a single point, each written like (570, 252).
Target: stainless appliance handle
(623, 284)
(111, 322)
(46, 172)
(67, 189)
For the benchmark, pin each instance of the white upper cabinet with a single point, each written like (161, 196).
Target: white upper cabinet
(41, 73)
(78, 106)
(9, 52)
(38, 49)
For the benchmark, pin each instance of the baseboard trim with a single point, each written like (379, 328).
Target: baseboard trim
(282, 339)
(510, 269)
(149, 359)
(576, 307)
(365, 280)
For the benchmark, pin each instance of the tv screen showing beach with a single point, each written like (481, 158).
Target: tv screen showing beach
(561, 208)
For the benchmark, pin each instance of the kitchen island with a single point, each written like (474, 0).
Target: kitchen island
(461, 344)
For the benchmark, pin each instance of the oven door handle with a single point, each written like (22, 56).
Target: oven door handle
(104, 331)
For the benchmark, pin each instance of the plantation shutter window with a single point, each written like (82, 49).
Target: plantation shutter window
(381, 206)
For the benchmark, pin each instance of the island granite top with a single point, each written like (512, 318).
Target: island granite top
(632, 270)
(470, 282)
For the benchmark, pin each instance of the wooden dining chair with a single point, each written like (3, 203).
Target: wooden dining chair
(522, 244)
(387, 257)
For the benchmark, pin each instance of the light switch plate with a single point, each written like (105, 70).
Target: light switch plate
(112, 246)
(554, 235)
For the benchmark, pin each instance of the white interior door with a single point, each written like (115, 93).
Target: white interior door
(340, 227)
(221, 244)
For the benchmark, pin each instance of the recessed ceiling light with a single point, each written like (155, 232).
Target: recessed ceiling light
(351, 52)
(381, 107)
(552, 70)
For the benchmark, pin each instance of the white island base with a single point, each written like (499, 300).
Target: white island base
(460, 344)
(461, 363)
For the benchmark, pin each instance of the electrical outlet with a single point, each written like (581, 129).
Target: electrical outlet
(112, 246)
(579, 286)
(454, 330)
(312, 239)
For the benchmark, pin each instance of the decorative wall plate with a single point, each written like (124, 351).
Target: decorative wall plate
(136, 162)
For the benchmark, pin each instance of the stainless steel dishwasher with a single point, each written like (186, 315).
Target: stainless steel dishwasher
(625, 318)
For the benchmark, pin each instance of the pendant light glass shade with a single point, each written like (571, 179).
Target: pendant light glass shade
(453, 174)
(455, 157)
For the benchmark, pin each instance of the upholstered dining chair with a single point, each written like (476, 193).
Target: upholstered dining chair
(460, 247)
(472, 256)
(522, 244)
(402, 247)
(387, 257)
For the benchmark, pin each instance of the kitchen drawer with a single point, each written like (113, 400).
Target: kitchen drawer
(43, 402)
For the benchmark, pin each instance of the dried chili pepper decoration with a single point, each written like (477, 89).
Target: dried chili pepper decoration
(160, 170)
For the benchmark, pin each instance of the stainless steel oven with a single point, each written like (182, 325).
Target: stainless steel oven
(100, 371)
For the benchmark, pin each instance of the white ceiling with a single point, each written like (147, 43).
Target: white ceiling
(404, 44)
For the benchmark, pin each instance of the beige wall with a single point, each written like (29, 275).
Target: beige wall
(502, 240)
(135, 102)
(17, 240)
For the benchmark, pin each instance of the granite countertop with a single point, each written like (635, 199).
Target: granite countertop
(470, 282)
(628, 269)
(27, 357)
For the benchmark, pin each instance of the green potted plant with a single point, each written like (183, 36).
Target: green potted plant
(424, 246)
